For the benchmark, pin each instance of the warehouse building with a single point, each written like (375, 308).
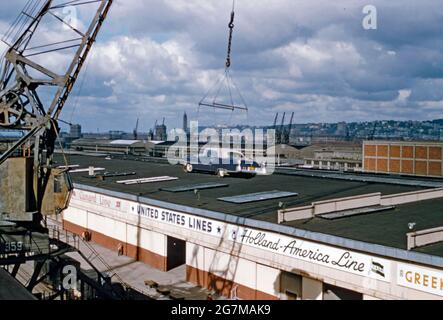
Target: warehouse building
(133, 147)
(338, 158)
(292, 235)
(404, 158)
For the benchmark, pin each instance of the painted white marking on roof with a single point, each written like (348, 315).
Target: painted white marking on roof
(124, 142)
(86, 170)
(147, 180)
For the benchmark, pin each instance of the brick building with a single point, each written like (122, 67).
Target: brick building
(406, 158)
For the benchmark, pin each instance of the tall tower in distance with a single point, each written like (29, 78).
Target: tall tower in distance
(185, 123)
(75, 131)
(161, 132)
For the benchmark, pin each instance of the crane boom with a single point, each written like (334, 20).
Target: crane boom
(281, 132)
(136, 130)
(275, 121)
(287, 136)
(30, 187)
(23, 77)
(19, 92)
(80, 57)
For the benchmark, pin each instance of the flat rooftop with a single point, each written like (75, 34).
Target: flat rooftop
(387, 228)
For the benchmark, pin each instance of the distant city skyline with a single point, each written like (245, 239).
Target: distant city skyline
(384, 129)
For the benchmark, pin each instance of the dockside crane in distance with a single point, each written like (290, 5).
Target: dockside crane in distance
(287, 134)
(275, 122)
(281, 132)
(136, 130)
(373, 131)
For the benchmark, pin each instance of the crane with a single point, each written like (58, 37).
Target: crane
(275, 122)
(373, 132)
(30, 186)
(280, 133)
(22, 78)
(136, 130)
(287, 134)
(32, 98)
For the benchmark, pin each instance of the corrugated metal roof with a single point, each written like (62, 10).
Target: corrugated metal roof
(125, 142)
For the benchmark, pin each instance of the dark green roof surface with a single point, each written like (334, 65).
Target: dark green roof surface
(387, 228)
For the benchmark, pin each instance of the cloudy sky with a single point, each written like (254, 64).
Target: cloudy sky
(158, 58)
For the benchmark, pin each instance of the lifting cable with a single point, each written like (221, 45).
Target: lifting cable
(231, 33)
(225, 82)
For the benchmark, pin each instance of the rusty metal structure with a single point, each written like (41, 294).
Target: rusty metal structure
(34, 89)
(22, 79)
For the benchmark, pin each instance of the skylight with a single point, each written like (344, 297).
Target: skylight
(355, 212)
(147, 180)
(203, 186)
(261, 196)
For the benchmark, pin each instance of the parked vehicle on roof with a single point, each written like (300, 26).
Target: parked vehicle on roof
(224, 162)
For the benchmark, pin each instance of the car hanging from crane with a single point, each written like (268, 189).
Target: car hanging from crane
(225, 161)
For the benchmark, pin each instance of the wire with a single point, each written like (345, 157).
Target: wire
(225, 87)
(231, 34)
(77, 98)
(210, 90)
(59, 141)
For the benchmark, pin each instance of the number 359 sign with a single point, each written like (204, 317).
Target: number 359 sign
(11, 247)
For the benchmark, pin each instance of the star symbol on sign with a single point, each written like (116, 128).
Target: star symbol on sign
(234, 235)
(219, 230)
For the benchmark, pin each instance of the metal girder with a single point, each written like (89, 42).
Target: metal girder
(79, 59)
(34, 279)
(22, 75)
(15, 58)
(18, 144)
(18, 62)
